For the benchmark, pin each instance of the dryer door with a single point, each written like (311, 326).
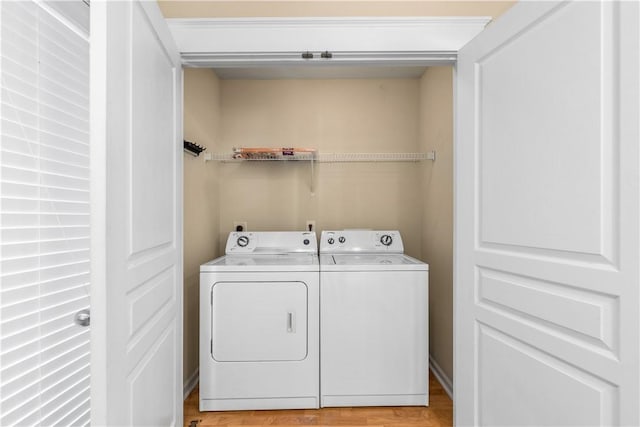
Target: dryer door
(259, 321)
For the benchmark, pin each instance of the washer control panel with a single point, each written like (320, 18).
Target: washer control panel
(367, 241)
(271, 242)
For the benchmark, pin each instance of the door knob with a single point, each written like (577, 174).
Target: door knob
(82, 318)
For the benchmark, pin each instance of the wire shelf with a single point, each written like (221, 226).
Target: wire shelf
(310, 155)
(374, 157)
(324, 157)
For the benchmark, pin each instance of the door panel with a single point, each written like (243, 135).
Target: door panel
(547, 218)
(151, 212)
(565, 112)
(137, 212)
(593, 319)
(570, 397)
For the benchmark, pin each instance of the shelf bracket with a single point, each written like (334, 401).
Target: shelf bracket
(312, 183)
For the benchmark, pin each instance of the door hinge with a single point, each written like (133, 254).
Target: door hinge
(211, 347)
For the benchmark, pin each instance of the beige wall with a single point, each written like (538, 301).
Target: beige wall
(368, 115)
(201, 125)
(220, 9)
(436, 133)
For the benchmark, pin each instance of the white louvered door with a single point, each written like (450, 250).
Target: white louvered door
(44, 208)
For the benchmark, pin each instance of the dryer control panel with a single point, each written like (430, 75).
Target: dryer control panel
(272, 242)
(365, 241)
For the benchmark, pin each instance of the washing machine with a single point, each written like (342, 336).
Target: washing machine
(259, 323)
(374, 331)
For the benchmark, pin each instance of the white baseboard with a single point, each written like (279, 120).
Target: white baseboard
(191, 383)
(442, 378)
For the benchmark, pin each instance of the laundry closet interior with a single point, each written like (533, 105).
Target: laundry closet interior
(354, 110)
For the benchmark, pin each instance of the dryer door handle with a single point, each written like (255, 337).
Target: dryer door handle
(291, 319)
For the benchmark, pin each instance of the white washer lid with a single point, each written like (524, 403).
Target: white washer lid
(282, 262)
(371, 262)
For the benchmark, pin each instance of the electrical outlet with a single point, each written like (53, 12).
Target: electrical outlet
(311, 225)
(240, 226)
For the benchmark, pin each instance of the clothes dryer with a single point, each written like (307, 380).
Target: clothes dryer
(374, 333)
(259, 321)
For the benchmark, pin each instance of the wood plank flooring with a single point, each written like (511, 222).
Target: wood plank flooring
(439, 413)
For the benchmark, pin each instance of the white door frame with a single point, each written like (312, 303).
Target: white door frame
(278, 42)
(275, 42)
(403, 46)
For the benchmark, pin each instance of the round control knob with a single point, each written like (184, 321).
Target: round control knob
(386, 240)
(330, 241)
(341, 239)
(305, 241)
(242, 241)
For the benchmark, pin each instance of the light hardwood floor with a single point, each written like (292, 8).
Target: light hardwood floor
(439, 413)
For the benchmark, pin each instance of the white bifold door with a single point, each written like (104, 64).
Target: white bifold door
(136, 110)
(547, 296)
